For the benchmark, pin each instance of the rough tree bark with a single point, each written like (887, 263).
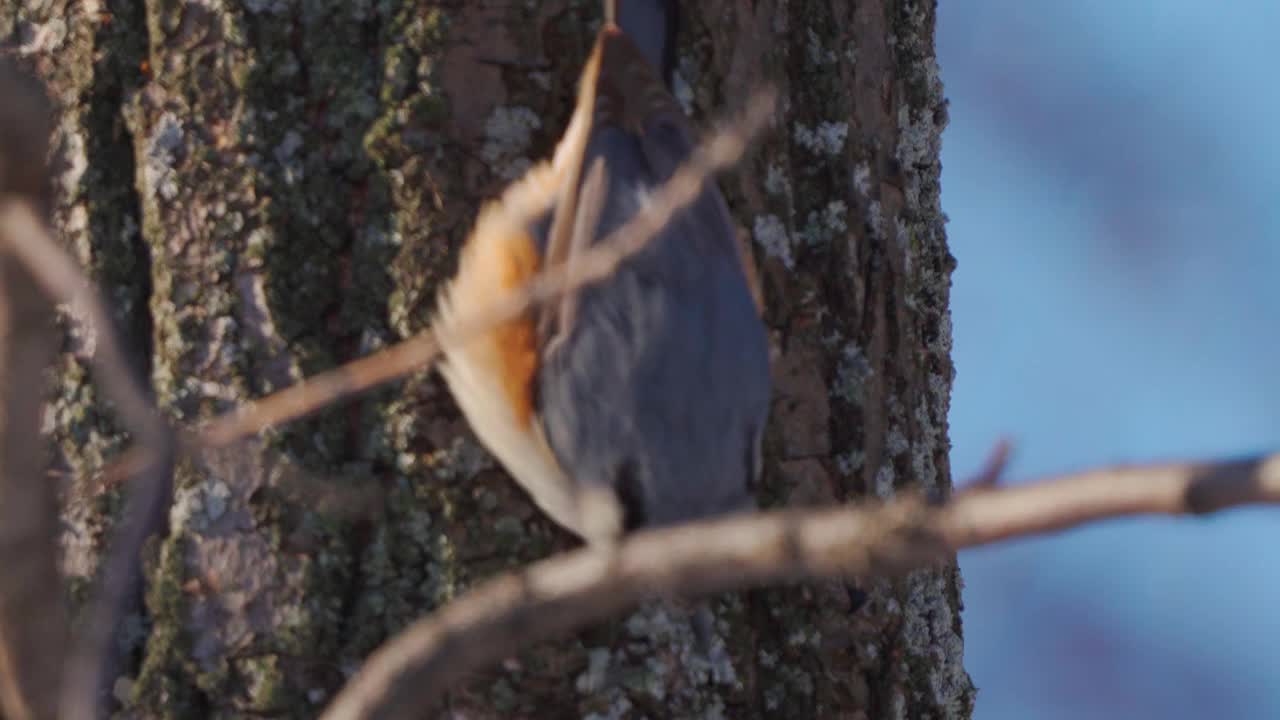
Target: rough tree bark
(268, 188)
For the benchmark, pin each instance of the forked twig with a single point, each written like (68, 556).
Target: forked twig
(92, 663)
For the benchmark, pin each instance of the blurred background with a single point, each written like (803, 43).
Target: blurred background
(1112, 175)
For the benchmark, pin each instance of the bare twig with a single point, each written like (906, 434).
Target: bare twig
(60, 277)
(93, 663)
(992, 469)
(983, 517)
(567, 592)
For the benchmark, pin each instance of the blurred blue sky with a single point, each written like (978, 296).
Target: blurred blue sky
(1112, 175)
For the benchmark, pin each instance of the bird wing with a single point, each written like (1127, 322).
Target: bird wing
(654, 360)
(490, 373)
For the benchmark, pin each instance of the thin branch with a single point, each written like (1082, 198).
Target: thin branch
(92, 664)
(992, 469)
(723, 149)
(564, 593)
(983, 517)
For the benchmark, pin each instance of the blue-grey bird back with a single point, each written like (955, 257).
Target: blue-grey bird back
(660, 387)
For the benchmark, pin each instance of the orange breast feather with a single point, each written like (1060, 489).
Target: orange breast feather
(515, 340)
(498, 258)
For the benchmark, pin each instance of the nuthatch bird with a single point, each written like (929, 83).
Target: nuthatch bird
(640, 400)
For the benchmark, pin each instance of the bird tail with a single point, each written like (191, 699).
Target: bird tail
(621, 86)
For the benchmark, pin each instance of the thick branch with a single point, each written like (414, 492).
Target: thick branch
(567, 592)
(33, 617)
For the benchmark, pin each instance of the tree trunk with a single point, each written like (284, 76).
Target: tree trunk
(266, 189)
